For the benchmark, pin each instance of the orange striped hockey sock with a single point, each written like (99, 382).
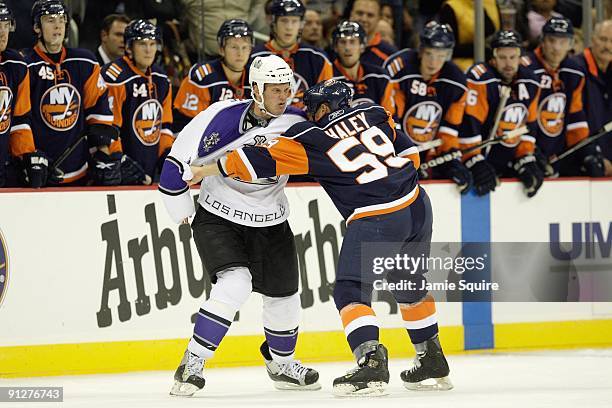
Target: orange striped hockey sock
(360, 324)
(420, 319)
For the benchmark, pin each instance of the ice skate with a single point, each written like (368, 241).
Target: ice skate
(369, 378)
(430, 370)
(188, 377)
(290, 376)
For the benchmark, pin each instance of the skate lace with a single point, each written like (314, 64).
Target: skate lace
(416, 366)
(194, 364)
(294, 369)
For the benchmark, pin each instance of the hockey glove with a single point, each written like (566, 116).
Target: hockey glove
(593, 161)
(485, 178)
(132, 172)
(529, 173)
(456, 171)
(545, 167)
(104, 169)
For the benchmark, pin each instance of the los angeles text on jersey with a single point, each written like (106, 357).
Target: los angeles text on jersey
(242, 215)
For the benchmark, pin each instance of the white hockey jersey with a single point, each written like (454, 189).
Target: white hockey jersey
(211, 134)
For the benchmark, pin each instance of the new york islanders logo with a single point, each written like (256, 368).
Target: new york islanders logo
(6, 107)
(60, 107)
(422, 120)
(513, 117)
(4, 270)
(551, 114)
(299, 88)
(147, 121)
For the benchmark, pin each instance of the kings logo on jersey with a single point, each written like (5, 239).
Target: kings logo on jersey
(60, 106)
(6, 103)
(551, 114)
(422, 120)
(3, 268)
(147, 122)
(513, 117)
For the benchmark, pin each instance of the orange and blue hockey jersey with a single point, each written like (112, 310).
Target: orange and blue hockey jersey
(205, 85)
(484, 84)
(377, 51)
(429, 109)
(561, 118)
(66, 97)
(372, 85)
(309, 64)
(15, 132)
(142, 109)
(365, 165)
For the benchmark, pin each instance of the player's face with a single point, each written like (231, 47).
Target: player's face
(113, 40)
(432, 60)
(143, 52)
(236, 52)
(555, 48)
(348, 50)
(507, 60)
(366, 13)
(602, 44)
(275, 97)
(313, 27)
(5, 29)
(53, 29)
(287, 29)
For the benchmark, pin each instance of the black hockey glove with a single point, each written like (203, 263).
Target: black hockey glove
(132, 172)
(104, 169)
(529, 173)
(592, 161)
(545, 167)
(485, 178)
(456, 171)
(35, 168)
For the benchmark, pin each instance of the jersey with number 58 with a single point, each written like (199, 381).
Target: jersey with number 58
(142, 109)
(356, 154)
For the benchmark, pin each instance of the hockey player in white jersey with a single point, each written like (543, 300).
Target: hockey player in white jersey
(240, 229)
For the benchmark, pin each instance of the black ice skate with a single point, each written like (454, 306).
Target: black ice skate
(289, 376)
(370, 377)
(188, 377)
(430, 370)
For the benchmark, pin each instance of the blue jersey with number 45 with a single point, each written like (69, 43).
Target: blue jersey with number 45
(365, 165)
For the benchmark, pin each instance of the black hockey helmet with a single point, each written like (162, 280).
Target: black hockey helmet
(506, 38)
(349, 29)
(234, 28)
(558, 26)
(48, 7)
(437, 35)
(335, 93)
(141, 30)
(7, 15)
(280, 8)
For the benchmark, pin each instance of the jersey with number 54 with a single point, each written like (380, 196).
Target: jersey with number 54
(365, 165)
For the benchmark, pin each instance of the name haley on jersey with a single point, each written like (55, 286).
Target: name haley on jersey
(66, 97)
(141, 104)
(206, 84)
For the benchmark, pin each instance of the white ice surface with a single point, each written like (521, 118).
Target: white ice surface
(556, 379)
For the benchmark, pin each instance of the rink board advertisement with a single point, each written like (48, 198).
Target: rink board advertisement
(97, 280)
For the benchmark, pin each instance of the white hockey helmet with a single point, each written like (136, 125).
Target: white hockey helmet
(270, 69)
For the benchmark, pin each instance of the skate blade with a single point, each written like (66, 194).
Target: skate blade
(286, 386)
(181, 389)
(431, 384)
(374, 389)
